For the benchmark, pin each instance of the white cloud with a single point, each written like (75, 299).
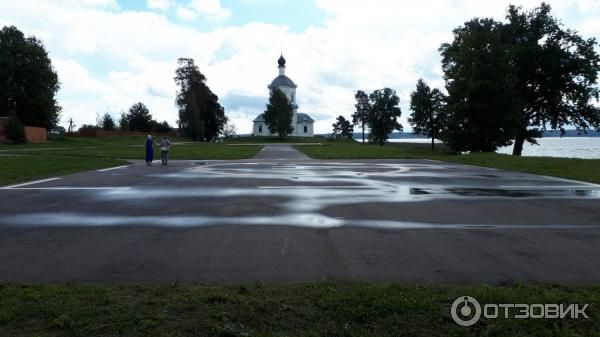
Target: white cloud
(132, 55)
(159, 4)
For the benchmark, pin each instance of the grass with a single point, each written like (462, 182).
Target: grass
(30, 167)
(570, 168)
(313, 309)
(65, 155)
(274, 139)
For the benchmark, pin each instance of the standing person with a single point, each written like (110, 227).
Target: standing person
(165, 144)
(149, 150)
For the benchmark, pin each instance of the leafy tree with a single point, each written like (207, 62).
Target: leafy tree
(15, 130)
(201, 117)
(427, 111)
(363, 106)
(124, 122)
(279, 114)
(108, 123)
(556, 74)
(163, 127)
(28, 83)
(479, 73)
(383, 116)
(139, 118)
(343, 128)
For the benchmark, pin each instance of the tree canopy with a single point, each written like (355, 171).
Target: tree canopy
(383, 116)
(200, 115)
(108, 123)
(28, 83)
(342, 128)
(427, 111)
(139, 118)
(279, 114)
(481, 105)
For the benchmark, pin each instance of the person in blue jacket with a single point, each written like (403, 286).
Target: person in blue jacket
(149, 150)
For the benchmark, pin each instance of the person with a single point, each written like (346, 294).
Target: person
(149, 150)
(164, 150)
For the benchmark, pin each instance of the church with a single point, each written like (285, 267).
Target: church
(301, 122)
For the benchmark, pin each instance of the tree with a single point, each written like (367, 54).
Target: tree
(108, 123)
(279, 114)
(427, 111)
(343, 128)
(363, 106)
(482, 100)
(201, 117)
(383, 116)
(556, 74)
(139, 118)
(15, 130)
(163, 127)
(28, 83)
(124, 122)
(229, 131)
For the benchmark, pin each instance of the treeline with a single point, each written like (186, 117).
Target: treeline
(506, 83)
(137, 118)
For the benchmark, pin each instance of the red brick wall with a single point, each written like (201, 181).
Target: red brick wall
(34, 134)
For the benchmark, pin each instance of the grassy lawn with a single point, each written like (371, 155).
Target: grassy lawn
(314, 309)
(68, 155)
(274, 139)
(184, 151)
(571, 168)
(30, 167)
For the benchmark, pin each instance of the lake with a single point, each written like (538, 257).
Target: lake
(567, 147)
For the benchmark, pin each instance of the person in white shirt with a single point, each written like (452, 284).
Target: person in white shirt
(165, 144)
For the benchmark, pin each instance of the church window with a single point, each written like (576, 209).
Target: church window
(260, 129)
(305, 129)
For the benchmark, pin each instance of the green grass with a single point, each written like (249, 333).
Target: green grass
(274, 139)
(188, 151)
(68, 155)
(314, 309)
(570, 168)
(20, 168)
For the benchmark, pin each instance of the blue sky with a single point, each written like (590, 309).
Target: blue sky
(110, 54)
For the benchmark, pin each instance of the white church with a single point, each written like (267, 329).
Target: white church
(301, 122)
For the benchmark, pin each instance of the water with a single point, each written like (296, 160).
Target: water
(566, 147)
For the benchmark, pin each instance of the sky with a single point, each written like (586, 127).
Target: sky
(110, 54)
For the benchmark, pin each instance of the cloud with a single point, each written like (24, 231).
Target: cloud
(210, 8)
(109, 57)
(159, 4)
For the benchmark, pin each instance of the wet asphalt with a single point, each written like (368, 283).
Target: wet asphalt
(283, 217)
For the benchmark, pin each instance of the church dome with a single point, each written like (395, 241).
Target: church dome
(282, 81)
(281, 61)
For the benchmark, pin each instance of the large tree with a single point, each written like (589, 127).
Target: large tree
(279, 114)
(343, 128)
(28, 83)
(383, 116)
(139, 118)
(556, 74)
(482, 100)
(427, 111)
(363, 106)
(200, 115)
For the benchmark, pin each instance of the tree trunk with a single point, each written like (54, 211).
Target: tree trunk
(518, 148)
(432, 144)
(363, 132)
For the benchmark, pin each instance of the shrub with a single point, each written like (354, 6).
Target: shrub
(15, 131)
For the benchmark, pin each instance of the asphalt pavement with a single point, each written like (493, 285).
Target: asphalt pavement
(283, 217)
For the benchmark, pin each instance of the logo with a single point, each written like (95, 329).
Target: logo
(465, 311)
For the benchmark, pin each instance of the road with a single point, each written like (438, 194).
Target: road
(282, 217)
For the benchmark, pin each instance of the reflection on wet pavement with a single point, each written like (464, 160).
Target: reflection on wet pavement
(279, 193)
